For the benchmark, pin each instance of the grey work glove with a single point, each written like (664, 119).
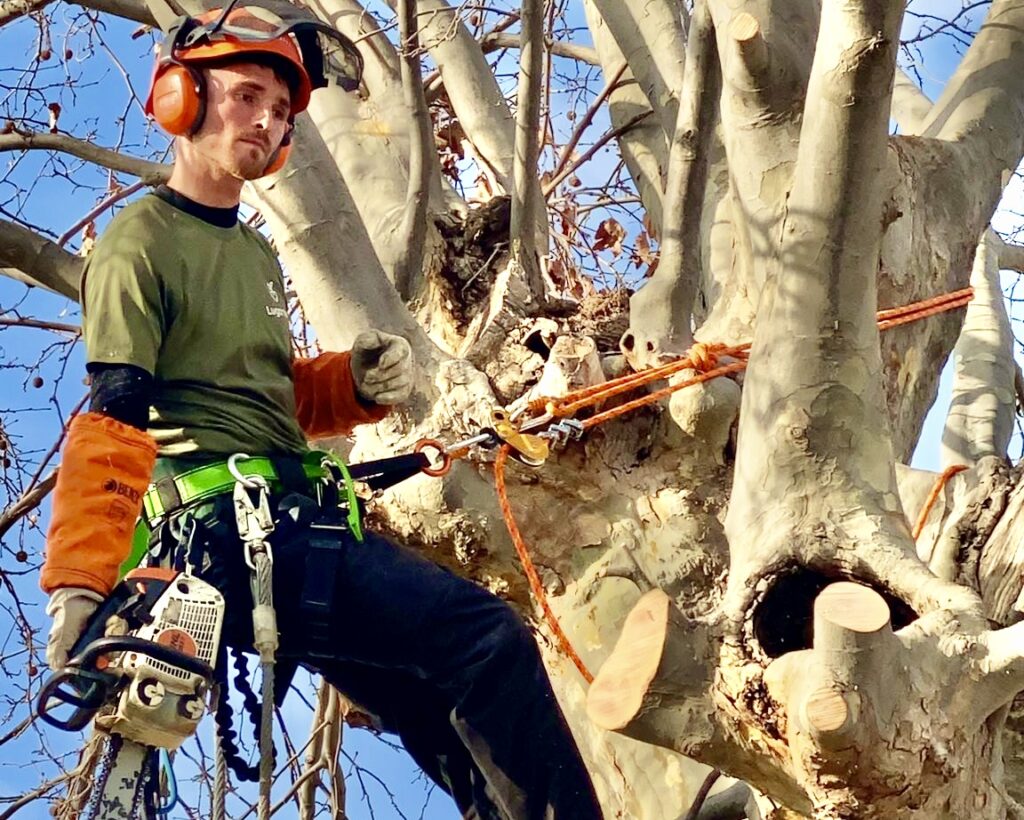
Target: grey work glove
(70, 608)
(382, 367)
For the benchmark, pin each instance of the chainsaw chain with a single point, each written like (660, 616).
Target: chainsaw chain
(104, 807)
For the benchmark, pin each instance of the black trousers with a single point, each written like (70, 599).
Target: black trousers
(447, 666)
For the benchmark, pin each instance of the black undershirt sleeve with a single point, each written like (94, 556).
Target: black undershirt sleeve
(121, 391)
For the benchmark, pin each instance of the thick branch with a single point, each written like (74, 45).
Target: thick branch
(152, 173)
(644, 148)
(982, 408)
(525, 188)
(471, 86)
(37, 261)
(660, 661)
(813, 389)
(650, 36)
(660, 311)
(982, 106)
(311, 215)
(11, 10)
(409, 267)
(369, 135)
(1011, 257)
(910, 105)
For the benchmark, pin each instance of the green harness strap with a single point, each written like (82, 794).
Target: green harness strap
(210, 480)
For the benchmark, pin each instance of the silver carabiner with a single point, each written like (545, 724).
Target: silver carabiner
(246, 480)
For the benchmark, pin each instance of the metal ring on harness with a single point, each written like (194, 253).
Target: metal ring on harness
(446, 459)
(251, 482)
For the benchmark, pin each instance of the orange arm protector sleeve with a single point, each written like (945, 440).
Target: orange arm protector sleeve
(326, 403)
(103, 475)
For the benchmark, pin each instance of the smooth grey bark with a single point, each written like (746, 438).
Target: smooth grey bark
(409, 267)
(472, 88)
(525, 174)
(369, 135)
(983, 404)
(315, 225)
(982, 106)
(644, 146)
(651, 36)
(665, 303)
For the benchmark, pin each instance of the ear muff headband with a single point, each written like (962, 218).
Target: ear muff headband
(280, 156)
(178, 98)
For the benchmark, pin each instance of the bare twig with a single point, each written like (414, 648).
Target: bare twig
(59, 327)
(587, 118)
(109, 202)
(614, 133)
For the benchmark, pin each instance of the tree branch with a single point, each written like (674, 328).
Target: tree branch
(526, 185)
(36, 261)
(661, 310)
(651, 37)
(1011, 257)
(151, 173)
(472, 88)
(982, 106)
(644, 148)
(11, 10)
(982, 408)
(815, 368)
(26, 503)
(315, 223)
(910, 105)
(497, 40)
(413, 230)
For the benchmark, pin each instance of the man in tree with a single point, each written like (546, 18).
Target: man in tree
(189, 349)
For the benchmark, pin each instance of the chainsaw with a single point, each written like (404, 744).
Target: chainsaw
(142, 671)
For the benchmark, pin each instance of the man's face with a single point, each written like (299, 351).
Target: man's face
(246, 118)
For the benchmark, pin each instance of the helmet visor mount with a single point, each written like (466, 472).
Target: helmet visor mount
(328, 56)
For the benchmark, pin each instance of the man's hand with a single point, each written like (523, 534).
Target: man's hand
(70, 608)
(382, 367)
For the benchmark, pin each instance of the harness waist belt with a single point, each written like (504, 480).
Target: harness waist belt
(173, 492)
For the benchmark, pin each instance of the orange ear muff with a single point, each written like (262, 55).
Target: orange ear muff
(178, 100)
(280, 156)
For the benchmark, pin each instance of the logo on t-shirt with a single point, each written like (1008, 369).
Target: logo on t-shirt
(275, 311)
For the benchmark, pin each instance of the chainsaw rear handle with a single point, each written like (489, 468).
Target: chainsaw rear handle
(81, 685)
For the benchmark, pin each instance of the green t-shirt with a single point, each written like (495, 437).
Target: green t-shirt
(201, 308)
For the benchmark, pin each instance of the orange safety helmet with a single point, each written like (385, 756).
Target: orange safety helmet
(177, 96)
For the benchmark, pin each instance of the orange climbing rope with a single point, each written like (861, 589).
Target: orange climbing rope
(710, 361)
(936, 490)
(528, 567)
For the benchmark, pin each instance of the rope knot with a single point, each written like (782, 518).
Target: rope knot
(703, 357)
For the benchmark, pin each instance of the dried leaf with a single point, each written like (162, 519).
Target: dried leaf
(642, 253)
(88, 239)
(609, 236)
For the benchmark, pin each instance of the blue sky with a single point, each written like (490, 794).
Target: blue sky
(104, 107)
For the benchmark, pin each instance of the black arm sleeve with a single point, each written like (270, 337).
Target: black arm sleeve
(121, 391)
